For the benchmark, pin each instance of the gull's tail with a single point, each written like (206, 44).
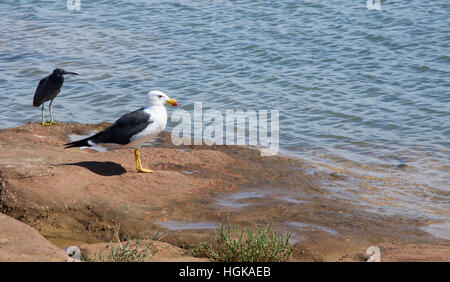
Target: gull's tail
(80, 143)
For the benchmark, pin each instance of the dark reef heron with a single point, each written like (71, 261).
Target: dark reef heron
(48, 88)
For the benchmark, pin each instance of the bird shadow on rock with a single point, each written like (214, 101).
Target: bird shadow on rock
(102, 168)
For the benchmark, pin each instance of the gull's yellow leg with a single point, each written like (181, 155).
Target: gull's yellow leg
(138, 162)
(43, 123)
(52, 122)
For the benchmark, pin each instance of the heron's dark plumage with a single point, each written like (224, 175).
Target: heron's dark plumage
(49, 87)
(121, 132)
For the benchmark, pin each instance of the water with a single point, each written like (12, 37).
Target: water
(185, 225)
(361, 92)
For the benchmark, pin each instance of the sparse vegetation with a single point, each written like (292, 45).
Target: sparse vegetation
(258, 245)
(139, 250)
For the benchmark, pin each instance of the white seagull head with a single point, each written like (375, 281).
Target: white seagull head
(159, 98)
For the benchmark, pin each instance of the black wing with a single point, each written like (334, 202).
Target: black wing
(41, 92)
(48, 88)
(120, 132)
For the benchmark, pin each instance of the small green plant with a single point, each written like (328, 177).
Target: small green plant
(258, 245)
(128, 251)
(201, 250)
(139, 250)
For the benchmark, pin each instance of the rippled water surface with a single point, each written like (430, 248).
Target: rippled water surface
(361, 92)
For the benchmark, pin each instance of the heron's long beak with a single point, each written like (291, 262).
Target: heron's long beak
(172, 102)
(69, 72)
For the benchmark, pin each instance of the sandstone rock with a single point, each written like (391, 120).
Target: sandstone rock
(414, 253)
(21, 243)
(78, 197)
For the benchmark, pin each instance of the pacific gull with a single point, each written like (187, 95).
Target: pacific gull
(134, 128)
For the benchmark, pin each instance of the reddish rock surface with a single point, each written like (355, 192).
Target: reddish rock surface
(19, 242)
(414, 253)
(75, 197)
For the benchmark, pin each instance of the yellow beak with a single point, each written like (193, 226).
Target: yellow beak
(172, 102)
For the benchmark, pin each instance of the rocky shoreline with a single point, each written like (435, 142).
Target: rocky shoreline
(77, 197)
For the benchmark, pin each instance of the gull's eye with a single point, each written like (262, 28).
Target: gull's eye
(160, 96)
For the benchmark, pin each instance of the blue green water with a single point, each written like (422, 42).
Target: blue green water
(359, 91)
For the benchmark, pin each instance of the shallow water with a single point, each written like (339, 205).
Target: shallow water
(362, 93)
(185, 225)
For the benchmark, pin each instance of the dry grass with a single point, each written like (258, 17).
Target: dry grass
(138, 250)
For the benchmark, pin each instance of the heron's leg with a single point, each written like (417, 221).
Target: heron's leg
(138, 162)
(51, 114)
(43, 123)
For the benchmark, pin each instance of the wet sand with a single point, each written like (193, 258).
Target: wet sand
(75, 197)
